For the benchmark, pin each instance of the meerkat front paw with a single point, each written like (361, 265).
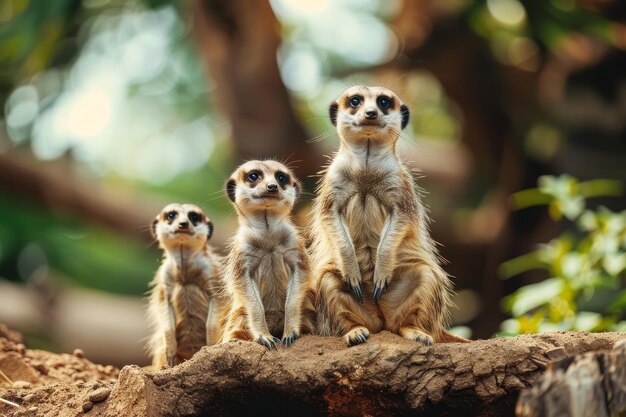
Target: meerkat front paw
(381, 282)
(268, 341)
(290, 339)
(356, 336)
(413, 333)
(353, 276)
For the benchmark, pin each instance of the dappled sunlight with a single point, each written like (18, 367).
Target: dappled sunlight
(120, 110)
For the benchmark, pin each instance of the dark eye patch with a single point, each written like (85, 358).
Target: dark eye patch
(354, 101)
(253, 176)
(384, 102)
(193, 217)
(282, 178)
(171, 215)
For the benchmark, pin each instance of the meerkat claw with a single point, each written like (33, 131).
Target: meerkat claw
(425, 340)
(289, 340)
(378, 292)
(356, 336)
(358, 292)
(269, 343)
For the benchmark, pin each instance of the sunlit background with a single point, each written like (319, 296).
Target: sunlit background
(113, 109)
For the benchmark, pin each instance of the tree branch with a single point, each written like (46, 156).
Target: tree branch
(388, 375)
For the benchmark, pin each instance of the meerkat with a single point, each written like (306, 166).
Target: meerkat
(377, 267)
(186, 304)
(267, 270)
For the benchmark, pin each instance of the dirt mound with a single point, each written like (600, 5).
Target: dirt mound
(388, 375)
(40, 382)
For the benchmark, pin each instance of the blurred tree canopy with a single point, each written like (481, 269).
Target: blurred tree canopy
(113, 108)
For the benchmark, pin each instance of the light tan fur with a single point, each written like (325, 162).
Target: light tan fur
(267, 270)
(186, 306)
(376, 267)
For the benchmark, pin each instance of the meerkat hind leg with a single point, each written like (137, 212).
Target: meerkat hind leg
(348, 315)
(414, 307)
(413, 333)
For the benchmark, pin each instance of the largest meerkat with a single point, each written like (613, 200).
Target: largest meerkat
(377, 267)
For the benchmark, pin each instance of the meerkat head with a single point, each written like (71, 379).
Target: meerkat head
(263, 185)
(181, 224)
(369, 113)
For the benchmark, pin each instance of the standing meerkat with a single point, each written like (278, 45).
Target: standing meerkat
(267, 271)
(377, 267)
(186, 304)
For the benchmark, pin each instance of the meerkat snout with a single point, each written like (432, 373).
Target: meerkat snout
(371, 114)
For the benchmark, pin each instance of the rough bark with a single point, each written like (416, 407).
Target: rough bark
(592, 384)
(387, 375)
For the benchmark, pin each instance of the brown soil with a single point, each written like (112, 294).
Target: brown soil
(387, 375)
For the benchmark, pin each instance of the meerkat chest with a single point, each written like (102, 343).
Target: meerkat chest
(366, 199)
(269, 259)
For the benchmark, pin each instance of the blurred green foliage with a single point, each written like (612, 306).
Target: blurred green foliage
(33, 240)
(586, 288)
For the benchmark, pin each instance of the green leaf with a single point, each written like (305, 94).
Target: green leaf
(601, 188)
(520, 264)
(587, 321)
(529, 198)
(534, 295)
(614, 263)
(572, 264)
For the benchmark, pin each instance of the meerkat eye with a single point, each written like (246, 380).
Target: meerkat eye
(253, 176)
(384, 102)
(172, 215)
(354, 101)
(281, 177)
(194, 217)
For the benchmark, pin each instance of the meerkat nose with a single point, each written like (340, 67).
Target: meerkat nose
(371, 114)
(272, 188)
(183, 225)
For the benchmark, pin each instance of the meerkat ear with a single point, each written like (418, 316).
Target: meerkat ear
(405, 113)
(297, 187)
(153, 228)
(210, 226)
(332, 112)
(231, 185)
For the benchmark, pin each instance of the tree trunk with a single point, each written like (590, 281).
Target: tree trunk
(238, 42)
(592, 384)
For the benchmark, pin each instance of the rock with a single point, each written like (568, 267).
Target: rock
(28, 412)
(78, 353)
(16, 368)
(87, 406)
(10, 334)
(22, 384)
(556, 353)
(99, 395)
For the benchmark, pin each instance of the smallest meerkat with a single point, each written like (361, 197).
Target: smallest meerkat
(267, 272)
(186, 302)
